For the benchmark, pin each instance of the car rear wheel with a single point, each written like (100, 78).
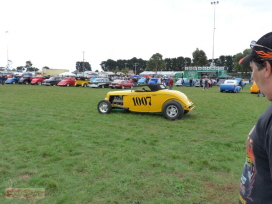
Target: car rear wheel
(123, 87)
(104, 106)
(172, 110)
(102, 86)
(26, 83)
(85, 85)
(67, 84)
(13, 82)
(39, 83)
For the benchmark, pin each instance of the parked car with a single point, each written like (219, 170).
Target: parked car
(100, 83)
(221, 81)
(241, 82)
(185, 82)
(180, 82)
(148, 98)
(13, 80)
(153, 81)
(38, 80)
(197, 83)
(142, 80)
(230, 86)
(121, 84)
(92, 79)
(26, 79)
(52, 81)
(67, 81)
(254, 88)
(82, 81)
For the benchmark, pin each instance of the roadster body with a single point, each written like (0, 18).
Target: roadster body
(149, 98)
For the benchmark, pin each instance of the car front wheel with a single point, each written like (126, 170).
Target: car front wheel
(172, 110)
(67, 84)
(104, 106)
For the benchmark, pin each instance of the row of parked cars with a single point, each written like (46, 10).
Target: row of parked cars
(71, 81)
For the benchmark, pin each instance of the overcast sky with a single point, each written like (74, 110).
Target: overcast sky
(55, 33)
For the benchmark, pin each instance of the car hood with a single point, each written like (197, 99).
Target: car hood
(10, 79)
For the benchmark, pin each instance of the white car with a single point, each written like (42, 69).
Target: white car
(230, 86)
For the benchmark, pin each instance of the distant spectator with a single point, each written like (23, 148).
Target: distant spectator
(171, 83)
(3, 78)
(191, 82)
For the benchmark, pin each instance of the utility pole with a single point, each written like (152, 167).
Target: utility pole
(135, 64)
(83, 63)
(7, 46)
(213, 3)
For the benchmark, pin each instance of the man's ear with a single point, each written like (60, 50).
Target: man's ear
(268, 69)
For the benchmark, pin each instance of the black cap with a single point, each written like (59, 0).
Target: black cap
(262, 50)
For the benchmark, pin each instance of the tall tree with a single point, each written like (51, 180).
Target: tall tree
(187, 61)
(28, 65)
(104, 66)
(229, 63)
(20, 68)
(180, 63)
(156, 63)
(240, 67)
(109, 65)
(199, 58)
(83, 66)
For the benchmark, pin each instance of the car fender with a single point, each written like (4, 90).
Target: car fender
(172, 99)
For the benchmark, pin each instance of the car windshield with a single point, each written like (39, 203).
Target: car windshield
(117, 81)
(98, 80)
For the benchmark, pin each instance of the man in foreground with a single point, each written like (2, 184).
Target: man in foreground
(256, 180)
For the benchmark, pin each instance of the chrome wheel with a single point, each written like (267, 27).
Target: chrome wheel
(172, 110)
(104, 106)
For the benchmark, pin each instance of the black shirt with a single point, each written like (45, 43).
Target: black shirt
(256, 180)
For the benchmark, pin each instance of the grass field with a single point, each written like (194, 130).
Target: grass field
(54, 138)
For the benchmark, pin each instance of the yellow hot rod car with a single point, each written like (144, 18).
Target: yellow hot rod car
(155, 98)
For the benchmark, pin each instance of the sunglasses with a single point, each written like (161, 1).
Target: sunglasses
(253, 44)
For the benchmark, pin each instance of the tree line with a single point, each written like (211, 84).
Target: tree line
(157, 63)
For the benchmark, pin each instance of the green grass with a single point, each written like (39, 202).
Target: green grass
(54, 138)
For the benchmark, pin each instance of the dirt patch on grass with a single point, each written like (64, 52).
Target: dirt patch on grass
(24, 177)
(222, 194)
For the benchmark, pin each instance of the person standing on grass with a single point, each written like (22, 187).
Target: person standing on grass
(204, 83)
(3, 78)
(171, 83)
(256, 180)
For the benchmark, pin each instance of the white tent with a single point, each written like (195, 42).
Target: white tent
(67, 74)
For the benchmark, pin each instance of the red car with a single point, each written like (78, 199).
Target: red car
(67, 81)
(38, 80)
(121, 84)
